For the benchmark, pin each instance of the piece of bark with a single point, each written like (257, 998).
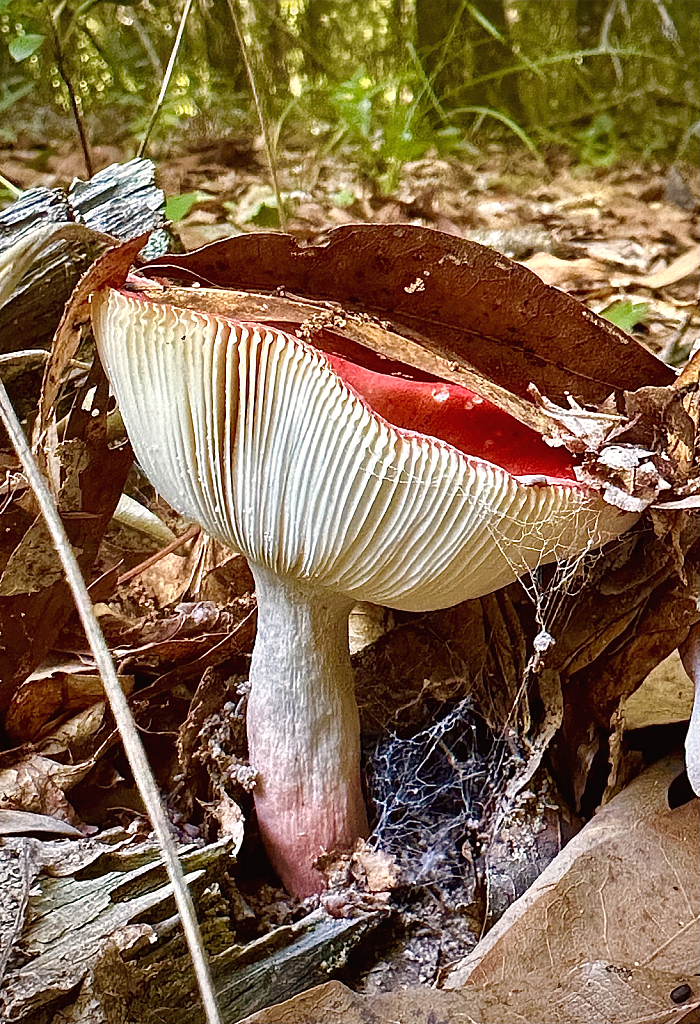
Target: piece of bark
(69, 911)
(90, 925)
(120, 201)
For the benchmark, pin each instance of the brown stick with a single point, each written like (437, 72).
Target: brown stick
(60, 64)
(193, 531)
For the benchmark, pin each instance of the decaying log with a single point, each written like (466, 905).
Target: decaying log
(88, 933)
(122, 201)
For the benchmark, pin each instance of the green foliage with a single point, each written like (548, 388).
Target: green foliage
(383, 125)
(625, 314)
(24, 46)
(258, 206)
(343, 198)
(388, 81)
(178, 207)
(599, 143)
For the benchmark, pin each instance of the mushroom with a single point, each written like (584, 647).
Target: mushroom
(690, 656)
(339, 484)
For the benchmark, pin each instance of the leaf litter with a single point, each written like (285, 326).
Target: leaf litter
(185, 670)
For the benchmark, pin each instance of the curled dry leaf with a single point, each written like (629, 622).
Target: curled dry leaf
(567, 274)
(114, 262)
(39, 784)
(665, 696)
(40, 700)
(231, 821)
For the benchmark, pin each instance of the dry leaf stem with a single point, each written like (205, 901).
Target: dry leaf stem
(120, 708)
(264, 127)
(166, 78)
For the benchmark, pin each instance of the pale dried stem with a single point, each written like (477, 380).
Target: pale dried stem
(119, 705)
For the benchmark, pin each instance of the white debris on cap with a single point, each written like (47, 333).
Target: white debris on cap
(247, 431)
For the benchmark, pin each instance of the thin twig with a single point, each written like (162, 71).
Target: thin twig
(30, 354)
(60, 64)
(167, 77)
(16, 192)
(120, 708)
(190, 534)
(272, 164)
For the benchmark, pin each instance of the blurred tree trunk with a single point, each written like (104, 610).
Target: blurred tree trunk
(399, 17)
(492, 55)
(315, 25)
(539, 30)
(223, 51)
(444, 44)
(269, 40)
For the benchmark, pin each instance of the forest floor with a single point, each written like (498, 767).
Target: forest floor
(601, 234)
(625, 242)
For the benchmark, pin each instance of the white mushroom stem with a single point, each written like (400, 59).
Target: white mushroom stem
(303, 728)
(690, 654)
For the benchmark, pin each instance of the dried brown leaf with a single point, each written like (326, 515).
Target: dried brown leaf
(20, 823)
(565, 273)
(111, 267)
(686, 265)
(624, 892)
(30, 620)
(39, 784)
(462, 301)
(231, 821)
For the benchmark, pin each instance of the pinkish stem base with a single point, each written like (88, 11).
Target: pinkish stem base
(303, 729)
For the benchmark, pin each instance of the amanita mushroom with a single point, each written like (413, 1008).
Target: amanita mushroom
(339, 484)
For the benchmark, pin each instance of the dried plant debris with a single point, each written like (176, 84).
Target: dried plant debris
(119, 202)
(582, 945)
(96, 920)
(74, 895)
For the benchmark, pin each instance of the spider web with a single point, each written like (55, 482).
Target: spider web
(442, 795)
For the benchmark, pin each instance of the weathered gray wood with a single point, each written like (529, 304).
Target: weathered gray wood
(92, 924)
(79, 894)
(122, 201)
(36, 206)
(319, 946)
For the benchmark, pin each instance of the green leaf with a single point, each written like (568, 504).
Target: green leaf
(24, 46)
(343, 198)
(178, 207)
(11, 97)
(625, 313)
(267, 216)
